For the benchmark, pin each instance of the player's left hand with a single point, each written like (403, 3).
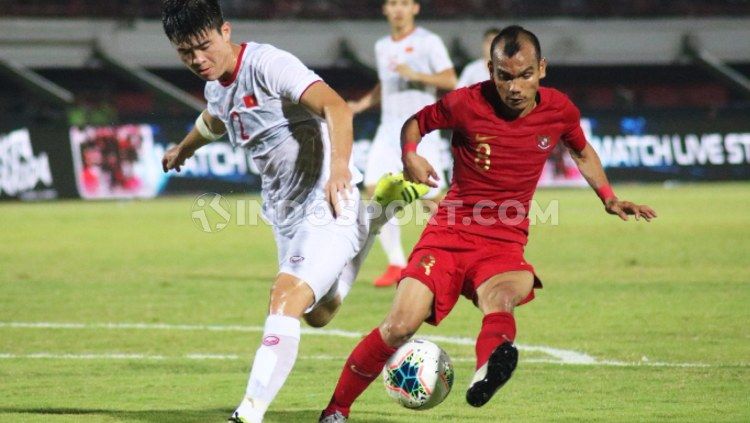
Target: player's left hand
(338, 188)
(406, 72)
(623, 209)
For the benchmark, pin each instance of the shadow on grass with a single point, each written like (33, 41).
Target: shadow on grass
(167, 416)
(174, 416)
(311, 416)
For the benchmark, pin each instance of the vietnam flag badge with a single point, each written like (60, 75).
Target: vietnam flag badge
(250, 101)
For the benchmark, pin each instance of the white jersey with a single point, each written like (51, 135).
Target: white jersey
(260, 108)
(424, 52)
(473, 73)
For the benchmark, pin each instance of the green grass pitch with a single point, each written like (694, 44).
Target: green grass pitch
(126, 311)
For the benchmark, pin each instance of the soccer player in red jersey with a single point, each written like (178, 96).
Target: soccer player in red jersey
(504, 130)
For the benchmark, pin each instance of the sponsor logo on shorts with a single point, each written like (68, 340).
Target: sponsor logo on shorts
(296, 259)
(544, 141)
(270, 340)
(427, 261)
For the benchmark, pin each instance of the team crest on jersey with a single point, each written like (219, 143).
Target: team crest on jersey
(409, 49)
(543, 141)
(250, 101)
(427, 261)
(296, 259)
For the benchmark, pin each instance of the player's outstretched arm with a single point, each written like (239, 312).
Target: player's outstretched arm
(371, 99)
(591, 168)
(416, 167)
(325, 102)
(207, 129)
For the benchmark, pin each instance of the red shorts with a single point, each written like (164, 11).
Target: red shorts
(453, 263)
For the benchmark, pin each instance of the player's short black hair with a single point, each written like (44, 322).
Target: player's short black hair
(491, 31)
(510, 37)
(184, 19)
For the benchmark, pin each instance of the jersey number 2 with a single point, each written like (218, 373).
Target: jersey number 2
(236, 117)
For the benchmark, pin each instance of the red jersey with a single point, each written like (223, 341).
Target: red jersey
(498, 162)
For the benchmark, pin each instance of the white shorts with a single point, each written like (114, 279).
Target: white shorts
(318, 248)
(385, 155)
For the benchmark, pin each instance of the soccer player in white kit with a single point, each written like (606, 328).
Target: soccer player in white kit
(413, 64)
(476, 71)
(299, 134)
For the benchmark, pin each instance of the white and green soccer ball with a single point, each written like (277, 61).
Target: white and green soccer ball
(419, 375)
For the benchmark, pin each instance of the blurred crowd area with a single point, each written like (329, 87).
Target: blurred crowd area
(103, 97)
(370, 9)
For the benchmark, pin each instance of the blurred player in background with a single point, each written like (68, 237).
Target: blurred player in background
(503, 132)
(413, 64)
(476, 71)
(299, 134)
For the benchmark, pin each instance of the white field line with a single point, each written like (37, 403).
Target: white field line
(234, 357)
(558, 356)
(567, 356)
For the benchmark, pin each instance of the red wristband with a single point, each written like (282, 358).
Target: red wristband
(409, 147)
(605, 193)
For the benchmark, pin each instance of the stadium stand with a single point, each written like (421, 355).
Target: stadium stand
(647, 66)
(368, 9)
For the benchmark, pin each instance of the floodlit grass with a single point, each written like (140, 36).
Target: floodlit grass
(631, 295)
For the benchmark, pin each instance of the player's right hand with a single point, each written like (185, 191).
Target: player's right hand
(338, 187)
(175, 158)
(418, 169)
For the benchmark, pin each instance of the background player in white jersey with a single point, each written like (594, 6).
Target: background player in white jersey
(413, 64)
(476, 71)
(299, 134)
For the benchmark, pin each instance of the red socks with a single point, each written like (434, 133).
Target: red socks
(369, 356)
(496, 329)
(362, 367)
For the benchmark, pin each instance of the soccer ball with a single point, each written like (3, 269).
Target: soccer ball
(419, 375)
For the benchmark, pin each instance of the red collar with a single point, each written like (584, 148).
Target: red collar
(237, 67)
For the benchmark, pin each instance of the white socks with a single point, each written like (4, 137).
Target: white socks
(390, 239)
(273, 363)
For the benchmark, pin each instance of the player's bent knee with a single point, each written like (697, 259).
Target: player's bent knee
(396, 335)
(397, 332)
(412, 305)
(501, 297)
(504, 292)
(317, 321)
(323, 313)
(290, 296)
